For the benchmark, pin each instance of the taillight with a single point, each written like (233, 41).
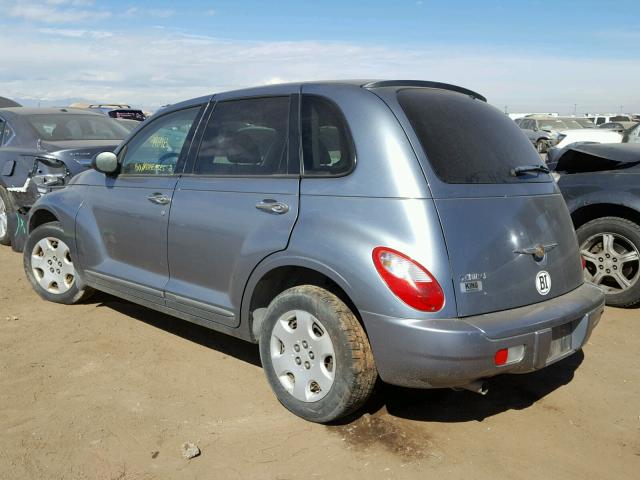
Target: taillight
(409, 280)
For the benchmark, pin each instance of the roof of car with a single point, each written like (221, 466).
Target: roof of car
(372, 83)
(46, 111)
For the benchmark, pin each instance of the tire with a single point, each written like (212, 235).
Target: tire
(349, 360)
(542, 145)
(54, 277)
(7, 217)
(620, 240)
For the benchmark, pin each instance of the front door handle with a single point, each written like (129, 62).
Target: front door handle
(272, 206)
(159, 199)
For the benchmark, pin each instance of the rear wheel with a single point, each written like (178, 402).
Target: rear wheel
(49, 266)
(611, 249)
(7, 217)
(316, 355)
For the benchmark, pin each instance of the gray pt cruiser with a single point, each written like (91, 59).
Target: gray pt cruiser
(404, 230)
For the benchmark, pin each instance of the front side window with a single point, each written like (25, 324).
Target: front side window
(157, 148)
(326, 143)
(72, 126)
(246, 137)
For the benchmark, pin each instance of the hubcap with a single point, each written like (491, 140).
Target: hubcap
(52, 266)
(612, 262)
(302, 355)
(3, 218)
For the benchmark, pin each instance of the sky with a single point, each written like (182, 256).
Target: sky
(524, 56)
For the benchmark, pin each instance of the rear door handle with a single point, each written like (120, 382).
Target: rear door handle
(272, 206)
(159, 199)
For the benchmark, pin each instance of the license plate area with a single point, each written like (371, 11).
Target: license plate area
(560, 341)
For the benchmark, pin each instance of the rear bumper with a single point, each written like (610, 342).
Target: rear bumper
(454, 352)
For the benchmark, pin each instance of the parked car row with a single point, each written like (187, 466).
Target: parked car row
(547, 132)
(400, 230)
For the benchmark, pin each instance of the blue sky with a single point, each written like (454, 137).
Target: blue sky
(526, 55)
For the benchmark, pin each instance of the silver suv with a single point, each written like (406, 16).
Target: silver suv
(399, 230)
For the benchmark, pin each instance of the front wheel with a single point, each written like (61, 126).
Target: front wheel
(610, 247)
(542, 145)
(316, 355)
(49, 266)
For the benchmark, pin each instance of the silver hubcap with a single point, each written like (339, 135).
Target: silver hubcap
(612, 262)
(3, 218)
(52, 266)
(302, 356)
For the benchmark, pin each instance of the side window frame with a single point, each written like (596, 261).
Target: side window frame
(349, 138)
(186, 147)
(294, 154)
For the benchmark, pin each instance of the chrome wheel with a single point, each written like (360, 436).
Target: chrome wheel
(612, 262)
(303, 356)
(4, 221)
(52, 266)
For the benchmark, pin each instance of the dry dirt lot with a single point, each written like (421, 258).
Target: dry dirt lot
(110, 390)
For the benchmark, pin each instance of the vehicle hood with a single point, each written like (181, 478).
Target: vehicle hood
(77, 154)
(595, 157)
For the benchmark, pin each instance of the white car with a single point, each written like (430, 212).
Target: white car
(595, 135)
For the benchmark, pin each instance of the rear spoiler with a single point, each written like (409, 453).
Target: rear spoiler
(425, 84)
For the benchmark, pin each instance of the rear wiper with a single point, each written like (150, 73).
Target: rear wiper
(517, 171)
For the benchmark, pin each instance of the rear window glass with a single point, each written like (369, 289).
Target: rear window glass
(466, 140)
(326, 142)
(65, 127)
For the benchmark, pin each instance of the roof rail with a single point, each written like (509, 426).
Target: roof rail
(426, 84)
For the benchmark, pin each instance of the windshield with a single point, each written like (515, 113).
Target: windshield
(585, 122)
(559, 124)
(64, 127)
(466, 140)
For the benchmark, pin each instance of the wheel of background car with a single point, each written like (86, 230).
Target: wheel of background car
(611, 249)
(316, 355)
(7, 217)
(541, 145)
(49, 266)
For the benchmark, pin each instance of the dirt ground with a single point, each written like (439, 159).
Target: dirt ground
(110, 390)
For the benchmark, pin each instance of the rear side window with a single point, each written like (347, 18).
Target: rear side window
(326, 143)
(466, 140)
(246, 137)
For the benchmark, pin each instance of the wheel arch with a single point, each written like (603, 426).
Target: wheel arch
(273, 276)
(592, 211)
(40, 216)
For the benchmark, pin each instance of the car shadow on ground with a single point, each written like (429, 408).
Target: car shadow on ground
(506, 392)
(244, 351)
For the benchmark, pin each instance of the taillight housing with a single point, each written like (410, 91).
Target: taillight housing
(408, 280)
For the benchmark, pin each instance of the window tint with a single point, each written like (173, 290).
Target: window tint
(466, 140)
(2, 123)
(600, 121)
(246, 137)
(157, 148)
(65, 127)
(326, 143)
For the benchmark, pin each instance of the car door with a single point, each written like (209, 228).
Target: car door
(237, 205)
(122, 224)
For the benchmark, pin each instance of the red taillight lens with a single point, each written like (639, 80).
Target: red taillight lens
(501, 356)
(409, 280)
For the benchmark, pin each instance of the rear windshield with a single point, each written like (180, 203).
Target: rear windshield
(466, 140)
(65, 127)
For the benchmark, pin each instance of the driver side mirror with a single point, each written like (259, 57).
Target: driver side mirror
(105, 162)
